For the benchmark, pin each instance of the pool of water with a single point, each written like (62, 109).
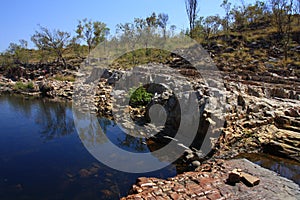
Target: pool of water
(42, 156)
(285, 167)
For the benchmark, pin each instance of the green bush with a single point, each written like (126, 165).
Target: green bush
(64, 78)
(23, 86)
(139, 97)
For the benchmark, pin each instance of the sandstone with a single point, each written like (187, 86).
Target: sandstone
(249, 179)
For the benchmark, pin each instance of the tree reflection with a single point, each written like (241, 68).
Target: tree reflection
(124, 140)
(53, 118)
(137, 144)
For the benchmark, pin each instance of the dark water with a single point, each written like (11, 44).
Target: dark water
(42, 157)
(285, 167)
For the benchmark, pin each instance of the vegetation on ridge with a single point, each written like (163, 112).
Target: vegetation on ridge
(259, 34)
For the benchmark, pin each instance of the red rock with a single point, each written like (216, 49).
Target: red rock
(205, 181)
(214, 196)
(178, 188)
(175, 196)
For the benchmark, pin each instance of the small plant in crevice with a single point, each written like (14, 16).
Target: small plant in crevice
(139, 96)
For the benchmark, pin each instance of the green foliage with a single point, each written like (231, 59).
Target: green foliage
(54, 41)
(60, 77)
(91, 32)
(139, 96)
(142, 56)
(24, 86)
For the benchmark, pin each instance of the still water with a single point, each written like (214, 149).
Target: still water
(284, 167)
(42, 156)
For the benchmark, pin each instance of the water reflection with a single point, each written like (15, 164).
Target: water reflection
(53, 118)
(285, 167)
(61, 167)
(119, 138)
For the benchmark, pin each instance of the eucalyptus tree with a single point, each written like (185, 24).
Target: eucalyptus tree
(91, 32)
(162, 22)
(53, 41)
(192, 11)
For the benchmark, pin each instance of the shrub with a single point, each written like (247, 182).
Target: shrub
(139, 96)
(59, 77)
(23, 86)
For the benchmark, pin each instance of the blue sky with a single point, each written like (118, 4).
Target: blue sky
(19, 18)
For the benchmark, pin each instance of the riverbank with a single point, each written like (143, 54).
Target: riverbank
(262, 112)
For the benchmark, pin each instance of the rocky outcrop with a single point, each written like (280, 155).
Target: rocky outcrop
(210, 181)
(42, 86)
(261, 113)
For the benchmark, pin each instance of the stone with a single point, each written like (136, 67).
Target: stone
(149, 184)
(241, 101)
(292, 112)
(189, 156)
(84, 173)
(196, 163)
(234, 176)
(249, 180)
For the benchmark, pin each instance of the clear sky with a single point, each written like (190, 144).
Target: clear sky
(19, 18)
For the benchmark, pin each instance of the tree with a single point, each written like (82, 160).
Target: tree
(192, 11)
(226, 5)
(18, 52)
(162, 22)
(297, 10)
(287, 28)
(127, 34)
(151, 27)
(239, 17)
(139, 25)
(172, 30)
(281, 10)
(282, 19)
(211, 25)
(91, 32)
(53, 41)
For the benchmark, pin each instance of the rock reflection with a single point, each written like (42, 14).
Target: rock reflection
(285, 167)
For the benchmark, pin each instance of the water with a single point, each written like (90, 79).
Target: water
(42, 157)
(285, 167)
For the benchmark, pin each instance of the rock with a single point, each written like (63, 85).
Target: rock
(229, 50)
(241, 101)
(292, 112)
(69, 175)
(254, 91)
(234, 177)
(84, 173)
(249, 180)
(196, 163)
(113, 78)
(280, 92)
(150, 184)
(189, 156)
(203, 185)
